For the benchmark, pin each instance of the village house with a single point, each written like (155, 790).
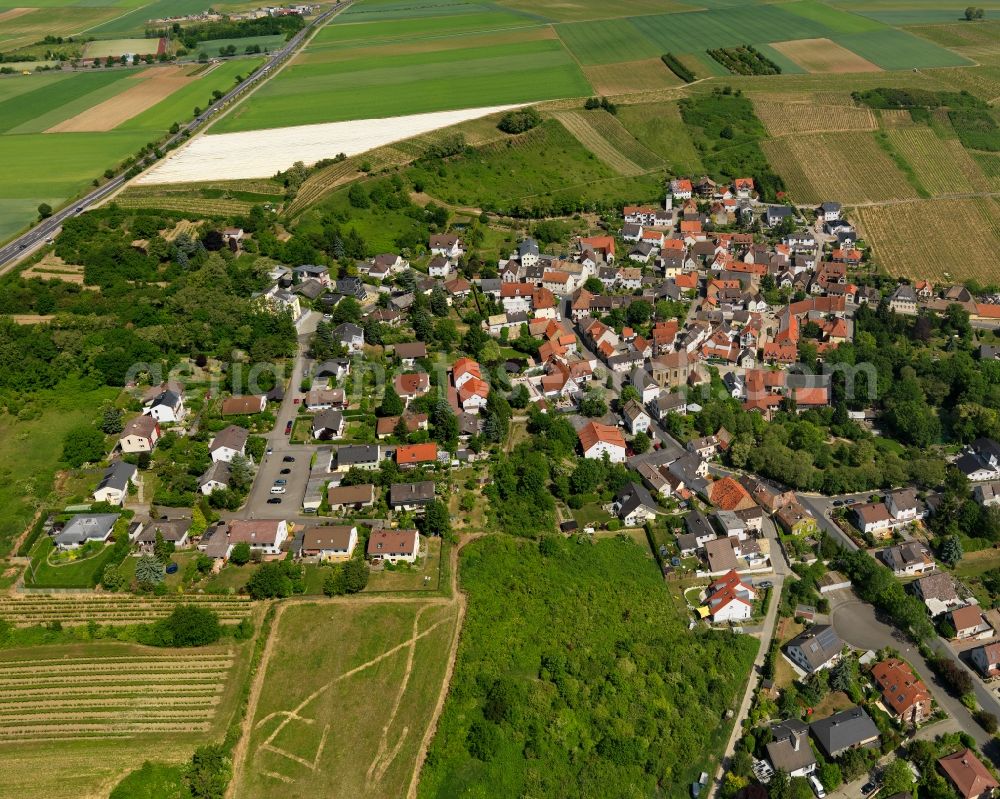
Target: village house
(244, 405)
(409, 352)
(938, 592)
(356, 497)
(815, 648)
(634, 505)
(729, 598)
(968, 775)
(361, 456)
(980, 461)
(263, 535)
(216, 477)
(411, 496)
(84, 528)
(969, 622)
(796, 520)
(635, 417)
(228, 443)
(789, 749)
(446, 244)
(330, 543)
(393, 545)
(849, 729)
(412, 385)
(986, 659)
(172, 531)
(873, 518)
(350, 336)
(328, 425)
(139, 435)
(411, 455)
(902, 691)
(166, 407)
(908, 559)
(598, 440)
(113, 487)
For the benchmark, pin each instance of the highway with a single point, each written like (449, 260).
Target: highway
(31, 240)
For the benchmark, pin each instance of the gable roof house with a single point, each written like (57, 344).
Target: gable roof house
(789, 749)
(447, 244)
(729, 495)
(938, 592)
(244, 405)
(598, 439)
(354, 497)
(848, 729)
(328, 425)
(909, 558)
(796, 520)
(873, 518)
(167, 406)
(410, 496)
(264, 535)
(981, 460)
(969, 622)
(729, 598)
(902, 691)
(362, 456)
(815, 648)
(329, 543)
(350, 336)
(215, 478)
(394, 545)
(228, 443)
(113, 487)
(722, 555)
(986, 659)
(416, 454)
(634, 505)
(139, 435)
(968, 775)
(635, 417)
(173, 531)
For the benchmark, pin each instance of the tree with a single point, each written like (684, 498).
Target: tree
(190, 625)
(439, 301)
(240, 474)
(355, 575)
(83, 444)
(112, 579)
(973, 13)
(162, 549)
(630, 393)
(593, 285)
(270, 581)
(639, 312)
(208, 775)
(149, 571)
(829, 774)
(436, 519)
(392, 403)
(593, 404)
(44, 211)
(401, 430)
(897, 778)
(240, 555)
(951, 550)
(111, 420)
(640, 443)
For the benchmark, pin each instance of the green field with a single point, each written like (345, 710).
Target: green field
(102, 48)
(28, 469)
(348, 692)
(18, 111)
(411, 83)
(212, 46)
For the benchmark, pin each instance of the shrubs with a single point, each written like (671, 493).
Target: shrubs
(276, 580)
(347, 578)
(520, 121)
(593, 103)
(675, 66)
(745, 60)
(976, 129)
(187, 625)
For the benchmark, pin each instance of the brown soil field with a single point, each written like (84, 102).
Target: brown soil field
(52, 267)
(184, 226)
(149, 88)
(12, 13)
(631, 76)
(31, 318)
(825, 56)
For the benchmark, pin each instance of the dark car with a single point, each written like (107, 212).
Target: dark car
(288, 428)
(869, 787)
(274, 501)
(172, 568)
(285, 471)
(288, 459)
(838, 502)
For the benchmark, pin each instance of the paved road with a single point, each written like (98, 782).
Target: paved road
(270, 468)
(820, 507)
(781, 570)
(30, 241)
(856, 622)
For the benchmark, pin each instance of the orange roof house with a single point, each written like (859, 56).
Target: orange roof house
(596, 439)
(728, 494)
(600, 244)
(902, 691)
(414, 454)
(968, 774)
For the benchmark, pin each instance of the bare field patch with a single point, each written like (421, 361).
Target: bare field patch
(849, 166)
(52, 267)
(184, 226)
(150, 87)
(608, 139)
(824, 56)
(629, 77)
(261, 153)
(788, 118)
(14, 13)
(31, 318)
(966, 236)
(895, 119)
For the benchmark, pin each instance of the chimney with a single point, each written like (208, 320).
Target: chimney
(795, 743)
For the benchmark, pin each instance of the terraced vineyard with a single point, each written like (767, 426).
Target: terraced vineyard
(943, 166)
(850, 166)
(68, 698)
(608, 139)
(117, 609)
(783, 118)
(169, 201)
(331, 177)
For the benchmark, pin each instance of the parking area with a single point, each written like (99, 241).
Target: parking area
(277, 466)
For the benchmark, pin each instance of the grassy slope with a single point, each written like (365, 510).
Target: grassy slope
(603, 613)
(315, 644)
(30, 450)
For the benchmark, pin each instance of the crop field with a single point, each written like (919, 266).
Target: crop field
(896, 49)
(943, 166)
(782, 117)
(72, 610)
(850, 166)
(608, 139)
(368, 88)
(31, 24)
(989, 163)
(79, 108)
(349, 691)
(577, 10)
(982, 81)
(631, 76)
(971, 255)
(823, 55)
(75, 718)
(102, 48)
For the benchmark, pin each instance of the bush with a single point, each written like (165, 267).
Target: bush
(677, 67)
(187, 625)
(519, 121)
(985, 720)
(240, 555)
(83, 444)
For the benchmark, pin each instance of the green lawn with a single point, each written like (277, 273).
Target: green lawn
(410, 83)
(30, 450)
(212, 47)
(85, 573)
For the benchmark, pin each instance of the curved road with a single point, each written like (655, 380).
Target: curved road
(29, 241)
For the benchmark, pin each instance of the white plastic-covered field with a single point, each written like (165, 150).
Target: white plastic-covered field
(262, 153)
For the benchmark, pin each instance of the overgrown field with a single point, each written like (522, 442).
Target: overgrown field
(577, 677)
(349, 692)
(74, 719)
(965, 236)
(796, 114)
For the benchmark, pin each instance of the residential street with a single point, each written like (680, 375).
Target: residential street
(857, 624)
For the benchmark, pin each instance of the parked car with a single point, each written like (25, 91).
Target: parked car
(288, 428)
(288, 459)
(269, 450)
(274, 501)
(286, 471)
(280, 482)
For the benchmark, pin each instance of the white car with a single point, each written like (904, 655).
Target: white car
(817, 786)
(278, 490)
